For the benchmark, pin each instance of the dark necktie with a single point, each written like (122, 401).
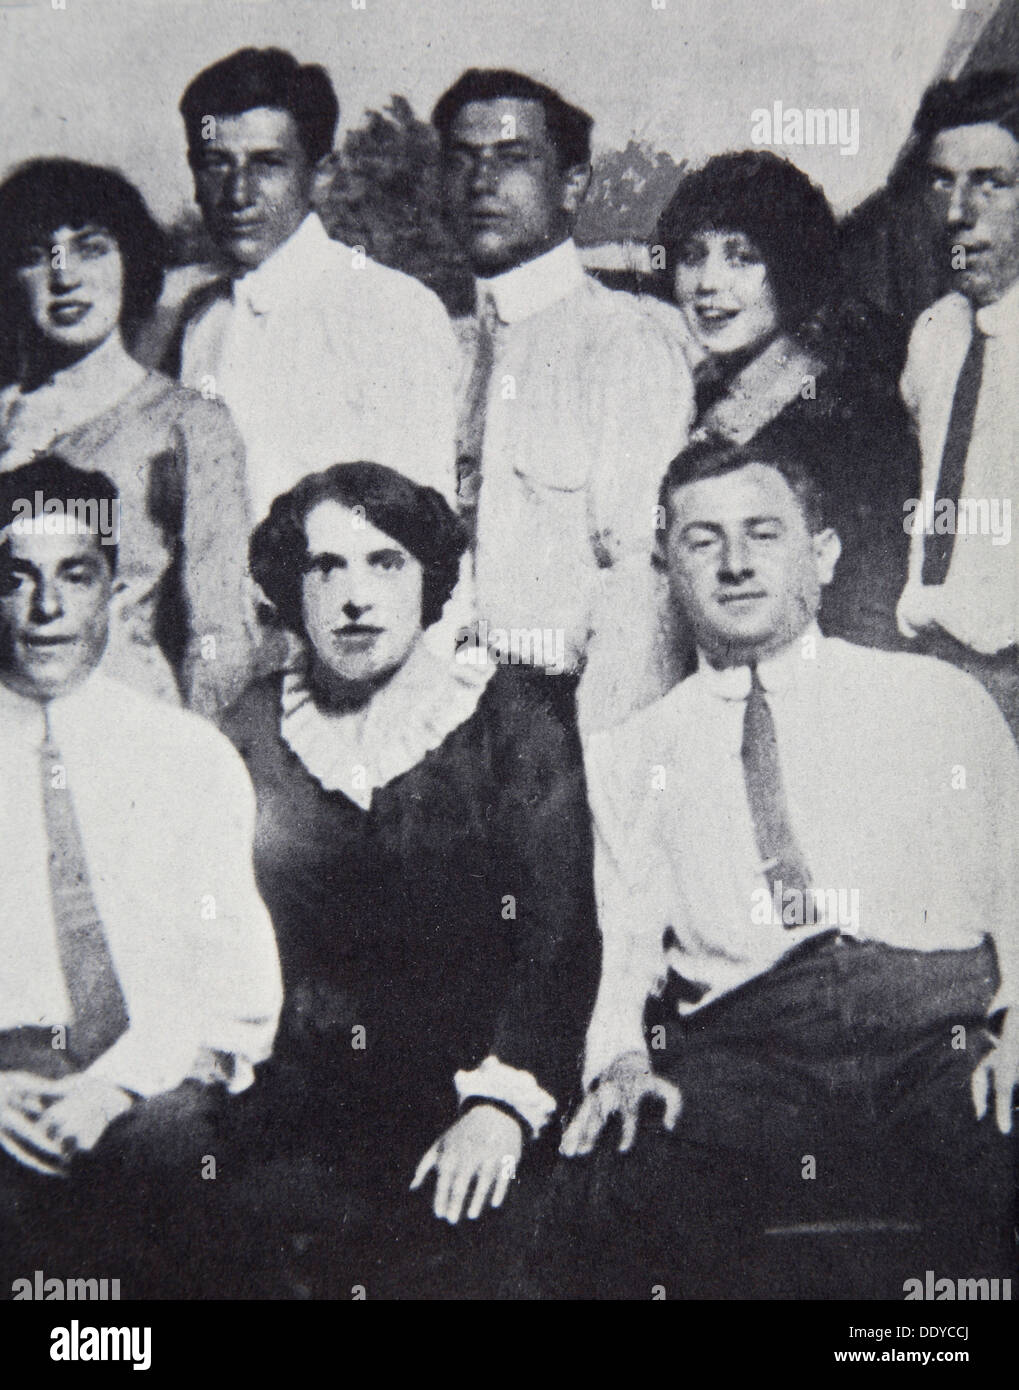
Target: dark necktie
(937, 549)
(782, 859)
(98, 1011)
(472, 433)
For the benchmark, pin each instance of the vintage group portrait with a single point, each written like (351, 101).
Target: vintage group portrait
(509, 651)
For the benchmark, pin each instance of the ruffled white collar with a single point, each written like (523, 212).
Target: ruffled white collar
(354, 753)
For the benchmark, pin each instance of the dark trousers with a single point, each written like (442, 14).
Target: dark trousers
(831, 1092)
(142, 1207)
(324, 1207)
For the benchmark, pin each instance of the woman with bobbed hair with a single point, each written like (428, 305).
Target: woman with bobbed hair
(422, 843)
(81, 264)
(752, 258)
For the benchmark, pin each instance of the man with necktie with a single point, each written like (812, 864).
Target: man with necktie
(140, 981)
(961, 601)
(806, 868)
(573, 399)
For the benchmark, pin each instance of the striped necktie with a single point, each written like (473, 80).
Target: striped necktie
(472, 431)
(782, 860)
(937, 548)
(98, 1010)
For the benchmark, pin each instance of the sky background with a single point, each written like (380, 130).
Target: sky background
(101, 79)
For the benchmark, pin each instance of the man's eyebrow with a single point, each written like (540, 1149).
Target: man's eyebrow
(982, 172)
(765, 519)
(211, 147)
(318, 557)
(385, 551)
(72, 562)
(504, 142)
(15, 565)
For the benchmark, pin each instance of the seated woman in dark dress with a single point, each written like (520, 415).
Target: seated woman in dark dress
(423, 846)
(752, 257)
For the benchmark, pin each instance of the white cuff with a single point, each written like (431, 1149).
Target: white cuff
(232, 1069)
(916, 608)
(495, 1080)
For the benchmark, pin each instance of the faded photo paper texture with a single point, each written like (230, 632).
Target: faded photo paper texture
(509, 680)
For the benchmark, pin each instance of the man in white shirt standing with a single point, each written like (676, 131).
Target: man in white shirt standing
(322, 354)
(140, 979)
(961, 601)
(574, 398)
(806, 861)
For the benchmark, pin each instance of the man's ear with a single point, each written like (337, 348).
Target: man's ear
(323, 173)
(577, 180)
(827, 549)
(659, 560)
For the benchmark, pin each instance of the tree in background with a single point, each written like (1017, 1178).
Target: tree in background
(386, 197)
(628, 190)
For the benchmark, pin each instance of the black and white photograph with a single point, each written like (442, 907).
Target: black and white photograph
(509, 662)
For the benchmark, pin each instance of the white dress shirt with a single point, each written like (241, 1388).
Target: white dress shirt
(902, 784)
(979, 601)
(166, 813)
(323, 357)
(589, 399)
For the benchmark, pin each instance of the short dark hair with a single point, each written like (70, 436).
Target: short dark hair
(417, 517)
(265, 77)
(970, 100)
(569, 128)
(51, 478)
(43, 195)
(785, 215)
(714, 456)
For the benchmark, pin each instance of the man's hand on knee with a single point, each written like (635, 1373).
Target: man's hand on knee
(620, 1090)
(999, 1072)
(44, 1123)
(21, 1109)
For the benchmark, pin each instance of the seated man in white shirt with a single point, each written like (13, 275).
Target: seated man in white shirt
(573, 399)
(806, 861)
(961, 601)
(140, 981)
(320, 353)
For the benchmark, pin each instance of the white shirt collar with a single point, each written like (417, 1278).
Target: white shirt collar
(776, 673)
(535, 285)
(1002, 317)
(415, 712)
(272, 283)
(24, 718)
